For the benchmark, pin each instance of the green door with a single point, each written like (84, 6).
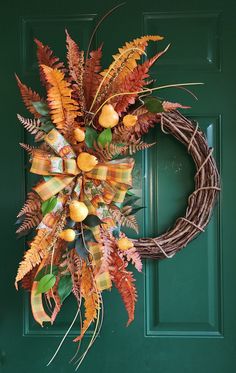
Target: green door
(185, 316)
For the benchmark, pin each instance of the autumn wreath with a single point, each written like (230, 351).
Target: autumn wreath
(87, 126)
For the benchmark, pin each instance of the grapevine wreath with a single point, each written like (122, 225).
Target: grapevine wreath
(87, 126)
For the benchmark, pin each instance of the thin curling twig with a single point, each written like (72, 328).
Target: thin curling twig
(142, 91)
(99, 24)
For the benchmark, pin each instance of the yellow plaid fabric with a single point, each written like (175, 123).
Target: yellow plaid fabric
(102, 278)
(38, 311)
(115, 177)
(103, 281)
(40, 165)
(53, 186)
(96, 253)
(53, 165)
(119, 171)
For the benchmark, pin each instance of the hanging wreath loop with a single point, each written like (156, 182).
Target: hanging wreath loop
(200, 202)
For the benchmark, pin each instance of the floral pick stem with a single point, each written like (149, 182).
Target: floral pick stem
(63, 339)
(98, 25)
(144, 91)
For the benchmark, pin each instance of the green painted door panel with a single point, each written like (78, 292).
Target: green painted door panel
(185, 317)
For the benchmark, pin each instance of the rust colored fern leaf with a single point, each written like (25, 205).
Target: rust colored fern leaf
(128, 221)
(124, 282)
(38, 250)
(28, 96)
(92, 78)
(45, 57)
(31, 220)
(134, 81)
(107, 249)
(31, 125)
(74, 263)
(75, 59)
(28, 280)
(122, 134)
(63, 107)
(28, 148)
(133, 256)
(139, 145)
(91, 300)
(146, 120)
(31, 204)
(109, 151)
(33, 151)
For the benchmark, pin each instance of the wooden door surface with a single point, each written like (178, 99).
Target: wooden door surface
(185, 316)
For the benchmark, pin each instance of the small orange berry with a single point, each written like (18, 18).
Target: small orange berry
(124, 244)
(79, 134)
(67, 235)
(130, 120)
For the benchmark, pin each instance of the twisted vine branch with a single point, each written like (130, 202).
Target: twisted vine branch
(200, 203)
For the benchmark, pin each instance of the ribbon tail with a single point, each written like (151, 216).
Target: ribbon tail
(38, 311)
(36, 300)
(102, 278)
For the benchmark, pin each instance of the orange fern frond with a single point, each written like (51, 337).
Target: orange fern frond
(28, 97)
(59, 97)
(45, 57)
(92, 78)
(68, 128)
(75, 59)
(124, 282)
(125, 62)
(31, 204)
(91, 300)
(38, 250)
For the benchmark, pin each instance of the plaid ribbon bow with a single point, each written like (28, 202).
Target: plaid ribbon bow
(115, 176)
(110, 182)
